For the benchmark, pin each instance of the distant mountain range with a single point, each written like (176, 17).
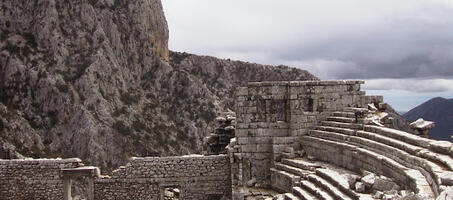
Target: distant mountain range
(439, 110)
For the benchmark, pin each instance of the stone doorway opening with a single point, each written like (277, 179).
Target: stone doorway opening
(84, 177)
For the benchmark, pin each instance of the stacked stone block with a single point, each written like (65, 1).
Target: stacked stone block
(270, 115)
(216, 142)
(34, 178)
(197, 177)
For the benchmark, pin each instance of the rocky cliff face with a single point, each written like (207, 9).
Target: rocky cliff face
(94, 79)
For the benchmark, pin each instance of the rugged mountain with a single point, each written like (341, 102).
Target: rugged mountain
(439, 110)
(94, 79)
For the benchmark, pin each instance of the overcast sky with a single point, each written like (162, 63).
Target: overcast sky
(402, 48)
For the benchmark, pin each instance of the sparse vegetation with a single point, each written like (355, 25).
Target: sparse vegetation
(119, 112)
(181, 136)
(4, 35)
(129, 99)
(31, 41)
(63, 87)
(1, 126)
(138, 126)
(11, 48)
(207, 115)
(52, 117)
(122, 128)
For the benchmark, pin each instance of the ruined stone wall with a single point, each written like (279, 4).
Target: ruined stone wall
(34, 179)
(270, 115)
(197, 177)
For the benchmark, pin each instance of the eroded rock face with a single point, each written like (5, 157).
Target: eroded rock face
(94, 79)
(71, 73)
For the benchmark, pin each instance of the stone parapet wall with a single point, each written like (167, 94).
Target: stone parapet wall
(270, 115)
(34, 178)
(197, 177)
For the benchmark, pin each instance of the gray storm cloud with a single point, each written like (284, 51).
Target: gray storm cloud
(348, 39)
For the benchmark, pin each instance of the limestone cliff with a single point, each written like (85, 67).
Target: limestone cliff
(94, 79)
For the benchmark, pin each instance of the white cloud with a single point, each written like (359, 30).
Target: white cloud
(415, 85)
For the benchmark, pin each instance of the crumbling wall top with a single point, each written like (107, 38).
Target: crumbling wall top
(303, 83)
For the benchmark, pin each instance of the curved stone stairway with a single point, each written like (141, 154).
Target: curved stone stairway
(309, 181)
(423, 165)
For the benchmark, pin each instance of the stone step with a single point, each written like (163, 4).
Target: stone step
(335, 192)
(350, 109)
(345, 131)
(444, 160)
(329, 135)
(301, 164)
(344, 119)
(290, 196)
(342, 125)
(283, 180)
(399, 135)
(287, 155)
(422, 187)
(293, 170)
(432, 150)
(315, 190)
(344, 114)
(303, 194)
(353, 157)
(401, 156)
(412, 149)
(338, 181)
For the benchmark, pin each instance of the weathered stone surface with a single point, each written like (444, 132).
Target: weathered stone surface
(383, 183)
(378, 195)
(369, 180)
(360, 187)
(422, 124)
(446, 194)
(446, 178)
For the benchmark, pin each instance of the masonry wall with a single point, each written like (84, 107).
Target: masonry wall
(197, 177)
(33, 179)
(271, 115)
